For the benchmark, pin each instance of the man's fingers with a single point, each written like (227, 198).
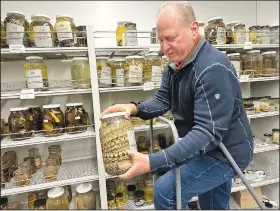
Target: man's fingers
(112, 109)
(129, 174)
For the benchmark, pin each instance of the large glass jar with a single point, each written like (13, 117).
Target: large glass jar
(65, 30)
(216, 31)
(118, 66)
(34, 152)
(16, 27)
(133, 70)
(120, 32)
(236, 62)
(230, 30)
(50, 171)
(143, 145)
(36, 116)
(265, 34)
(80, 73)
(269, 63)
(20, 126)
(164, 62)
(55, 150)
(76, 118)
(53, 120)
(41, 31)
(85, 199)
(122, 188)
(253, 64)
(57, 200)
(152, 68)
(36, 73)
(3, 35)
(117, 135)
(239, 33)
(104, 72)
(255, 34)
(130, 34)
(274, 34)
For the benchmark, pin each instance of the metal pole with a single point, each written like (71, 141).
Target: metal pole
(152, 145)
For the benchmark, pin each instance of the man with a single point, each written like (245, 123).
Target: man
(201, 87)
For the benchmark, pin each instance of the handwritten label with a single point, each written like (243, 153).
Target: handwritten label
(27, 94)
(17, 48)
(248, 45)
(148, 86)
(244, 78)
(34, 78)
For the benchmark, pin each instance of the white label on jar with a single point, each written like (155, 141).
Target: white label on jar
(265, 36)
(240, 37)
(156, 74)
(106, 75)
(14, 34)
(42, 36)
(221, 36)
(132, 140)
(131, 38)
(64, 30)
(120, 77)
(77, 117)
(34, 78)
(45, 120)
(135, 74)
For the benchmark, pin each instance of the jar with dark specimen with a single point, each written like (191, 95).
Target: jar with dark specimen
(216, 31)
(3, 203)
(139, 198)
(40, 204)
(255, 34)
(143, 145)
(162, 141)
(229, 31)
(10, 158)
(32, 196)
(36, 115)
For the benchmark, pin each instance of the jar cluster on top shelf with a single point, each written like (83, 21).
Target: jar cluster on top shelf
(16, 30)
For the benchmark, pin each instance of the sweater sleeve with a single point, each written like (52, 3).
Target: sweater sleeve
(213, 107)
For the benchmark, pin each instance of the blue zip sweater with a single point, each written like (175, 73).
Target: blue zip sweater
(205, 99)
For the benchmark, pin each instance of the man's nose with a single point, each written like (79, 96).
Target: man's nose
(164, 47)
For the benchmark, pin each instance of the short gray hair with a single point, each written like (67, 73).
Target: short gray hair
(184, 8)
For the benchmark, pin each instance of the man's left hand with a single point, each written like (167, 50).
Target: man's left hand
(140, 165)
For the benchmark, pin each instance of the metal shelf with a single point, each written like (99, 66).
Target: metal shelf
(69, 173)
(40, 139)
(275, 78)
(263, 114)
(123, 89)
(266, 148)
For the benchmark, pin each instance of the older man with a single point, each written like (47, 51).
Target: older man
(201, 88)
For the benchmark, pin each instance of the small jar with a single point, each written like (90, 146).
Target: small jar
(32, 163)
(275, 136)
(256, 102)
(269, 63)
(36, 116)
(164, 62)
(40, 204)
(216, 31)
(236, 62)
(32, 196)
(120, 32)
(3, 203)
(249, 108)
(119, 69)
(120, 201)
(139, 198)
(76, 118)
(152, 68)
(53, 120)
(111, 202)
(36, 73)
(34, 152)
(267, 138)
(264, 103)
(55, 150)
(130, 36)
(133, 70)
(229, 31)
(143, 145)
(104, 72)
(21, 176)
(81, 36)
(253, 64)
(85, 199)
(239, 34)
(265, 34)
(80, 73)
(274, 34)
(255, 34)
(130, 191)
(149, 191)
(57, 200)
(201, 29)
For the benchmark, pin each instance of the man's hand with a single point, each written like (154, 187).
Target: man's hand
(141, 165)
(129, 109)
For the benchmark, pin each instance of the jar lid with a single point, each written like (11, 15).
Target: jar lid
(110, 197)
(123, 22)
(232, 22)
(34, 57)
(84, 188)
(267, 134)
(56, 192)
(254, 51)
(40, 202)
(19, 109)
(254, 26)
(135, 57)
(80, 58)
(151, 54)
(265, 26)
(130, 24)
(215, 18)
(139, 193)
(233, 54)
(40, 15)
(64, 16)
(73, 104)
(239, 24)
(101, 58)
(33, 106)
(131, 188)
(275, 130)
(51, 106)
(15, 13)
(113, 115)
(269, 52)
(3, 201)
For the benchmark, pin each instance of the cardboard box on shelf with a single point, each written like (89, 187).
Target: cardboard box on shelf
(245, 200)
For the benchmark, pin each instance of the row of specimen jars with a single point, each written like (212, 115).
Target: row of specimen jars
(272, 137)
(131, 70)
(15, 30)
(254, 105)
(24, 122)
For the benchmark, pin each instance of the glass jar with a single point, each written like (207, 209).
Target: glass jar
(110, 187)
(269, 63)
(120, 32)
(10, 158)
(164, 62)
(26, 167)
(229, 31)
(34, 152)
(130, 191)
(274, 34)
(14, 206)
(104, 72)
(55, 150)
(121, 188)
(264, 103)
(36, 115)
(36, 73)
(271, 104)
(255, 34)
(265, 34)
(152, 68)
(85, 199)
(41, 31)
(76, 118)
(53, 120)
(81, 36)
(118, 66)
(275, 136)
(256, 102)
(130, 36)
(40, 204)
(16, 27)
(253, 64)
(133, 70)
(32, 196)
(239, 33)
(3, 203)
(120, 201)
(3, 35)
(32, 164)
(276, 104)
(139, 199)
(22, 176)
(216, 31)
(201, 29)
(148, 192)
(111, 202)
(57, 200)
(267, 138)
(249, 108)
(80, 73)
(20, 126)
(65, 30)
(143, 145)
(236, 62)
(50, 171)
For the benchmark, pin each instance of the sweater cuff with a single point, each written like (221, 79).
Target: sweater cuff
(158, 162)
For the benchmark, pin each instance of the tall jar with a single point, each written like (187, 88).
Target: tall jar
(216, 31)
(104, 72)
(80, 73)
(34, 152)
(65, 30)
(16, 27)
(55, 151)
(21, 177)
(274, 34)
(255, 34)
(236, 62)
(229, 31)
(57, 200)
(117, 135)
(53, 120)
(239, 34)
(10, 158)
(36, 73)
(133, 70)
(152, 68)
(201, 29)
(119, 69)
(20, 126)
(36, 115)
(265, 34)
(253, 63)
(85, 198)
(130, 34)
(51, 169)
(269, 63)
(41, 31)
(3, 35)
(31, 160)
(120, 32)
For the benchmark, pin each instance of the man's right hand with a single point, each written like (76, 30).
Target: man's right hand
(129, 109)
